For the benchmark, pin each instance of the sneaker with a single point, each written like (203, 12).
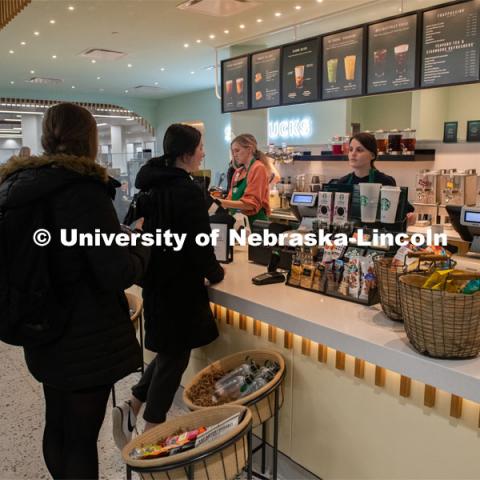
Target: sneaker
(124, 421)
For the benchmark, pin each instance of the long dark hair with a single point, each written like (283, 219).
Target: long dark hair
(179, 140)
(368, 142)
(71, 130)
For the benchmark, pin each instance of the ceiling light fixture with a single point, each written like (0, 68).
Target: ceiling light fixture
(298, 7)
(99, 78)
(11, 52)
(36, 33)
(211, 36)
(156, 83)
(242, 26)
(162, 69)
(226, 32)
(32, 72)
(23, 43)
(129, 65)
(94, 61)
(54, 57)
(102, 89)
(12, 83)
(73, 86)
(259, 20)
(319, 1)
(71, 8)
(52, 22)
(192, 73)
(186, 45)
(198, 41)
(278, 14)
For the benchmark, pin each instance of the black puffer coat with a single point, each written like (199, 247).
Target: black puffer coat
(99, 345)
(177, 308)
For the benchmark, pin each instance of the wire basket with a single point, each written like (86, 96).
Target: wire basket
(261, 404)
(223, 458)
(438, 323)
(387, 279)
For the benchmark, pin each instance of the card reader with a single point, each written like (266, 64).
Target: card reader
(271, 276)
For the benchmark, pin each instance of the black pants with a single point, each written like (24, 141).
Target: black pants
(72, 424)
(159, 383)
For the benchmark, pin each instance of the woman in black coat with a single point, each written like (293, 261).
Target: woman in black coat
(98, 345)
(178, 317)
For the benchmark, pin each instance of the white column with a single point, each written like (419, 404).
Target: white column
(32, 133)
(118, 153)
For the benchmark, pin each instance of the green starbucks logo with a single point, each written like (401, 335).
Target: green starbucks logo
(363, 200)
(385, 204)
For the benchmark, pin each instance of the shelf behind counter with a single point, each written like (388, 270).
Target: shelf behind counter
(357, 330)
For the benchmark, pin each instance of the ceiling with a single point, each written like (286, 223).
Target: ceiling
(153, 35)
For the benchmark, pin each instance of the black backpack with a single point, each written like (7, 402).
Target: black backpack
(31, 312)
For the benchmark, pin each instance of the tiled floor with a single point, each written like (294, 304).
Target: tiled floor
(21, 417)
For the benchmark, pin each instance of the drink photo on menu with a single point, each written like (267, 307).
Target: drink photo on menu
(391, 55)
(343, 64)
(234, 73)
(265, 78)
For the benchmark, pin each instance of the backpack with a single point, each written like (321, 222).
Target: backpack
(31, 312)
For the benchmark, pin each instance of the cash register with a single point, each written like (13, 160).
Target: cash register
(304, 207)
(466, 221)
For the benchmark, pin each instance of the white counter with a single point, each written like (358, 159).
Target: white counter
(363, 332)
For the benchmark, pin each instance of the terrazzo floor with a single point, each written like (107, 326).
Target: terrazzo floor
(21, 417)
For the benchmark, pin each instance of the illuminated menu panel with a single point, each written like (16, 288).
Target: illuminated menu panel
(266, 78)
(235, 91)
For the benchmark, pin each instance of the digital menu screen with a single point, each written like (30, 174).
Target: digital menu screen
(392, 47)
(343, 64)
(300, 72)
(266, 79)
(450, 52)
(235, 84)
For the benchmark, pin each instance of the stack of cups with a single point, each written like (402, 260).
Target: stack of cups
(369, 194)
(389, 198)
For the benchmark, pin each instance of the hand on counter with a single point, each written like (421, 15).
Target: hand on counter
(139, 223)
(411, 219)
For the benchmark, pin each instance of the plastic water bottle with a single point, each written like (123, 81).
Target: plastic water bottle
(245, 369)
(257, 383)
(233, 388)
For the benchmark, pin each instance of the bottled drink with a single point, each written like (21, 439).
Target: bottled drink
(231, 389)
(253, 386)
(245, 369)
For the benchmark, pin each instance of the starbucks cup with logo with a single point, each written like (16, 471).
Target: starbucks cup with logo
(369, 193)
(389, 197)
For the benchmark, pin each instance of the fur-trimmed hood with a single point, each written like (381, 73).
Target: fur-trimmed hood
(23, 180)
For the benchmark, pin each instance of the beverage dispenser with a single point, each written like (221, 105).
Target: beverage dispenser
(456, 188)
(426, 206)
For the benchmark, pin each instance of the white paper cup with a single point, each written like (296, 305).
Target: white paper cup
(369, 193)
(389, 197)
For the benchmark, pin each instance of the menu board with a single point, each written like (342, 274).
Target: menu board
(343, 64)
(235, 84)
(392, 47)
(300, 72)
(450, 52)
(266, 79)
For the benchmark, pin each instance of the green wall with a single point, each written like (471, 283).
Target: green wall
(204, 107)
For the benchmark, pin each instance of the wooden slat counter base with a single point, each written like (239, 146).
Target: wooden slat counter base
(359, 331)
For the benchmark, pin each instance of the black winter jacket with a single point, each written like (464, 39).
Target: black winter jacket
(99, 345)
(177, 308)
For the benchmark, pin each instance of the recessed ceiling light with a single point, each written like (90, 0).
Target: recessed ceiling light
(12, 82)
(226, 32)
(212, 36)
(52, 21)
(11, 52)
(99, 78)
(32, 72)
(186, 45)
(198, 41)
(259, 20)
(94, 61)
(162, 69)
(129, 65)
(298, 7)
(192, 73)
(23, 43)
(36, 33)
(102, 89)
(156, 83)
(319, 1)
(54, 57)
(242, 26)
(71, 8)
(73, 86)
(278, 14)
(126, 91)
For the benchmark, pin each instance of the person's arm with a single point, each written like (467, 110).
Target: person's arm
(113, 267)
(273, 174)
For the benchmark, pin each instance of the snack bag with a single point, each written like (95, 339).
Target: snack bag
(472, 286)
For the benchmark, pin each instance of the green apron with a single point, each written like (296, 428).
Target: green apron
(371, 177)
(237, 193)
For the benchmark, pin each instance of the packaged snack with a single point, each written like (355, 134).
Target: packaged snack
(353, 252)
(472, 286)
(354, 277)
(343, 287)
(444, 280)
(295, 272)
(318, 278)
(306, 278)
(369, 280)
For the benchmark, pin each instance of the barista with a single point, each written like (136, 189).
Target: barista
(361, 157)
(249, 191)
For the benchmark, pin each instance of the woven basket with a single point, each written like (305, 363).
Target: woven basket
(387, 281)
(262, 409)
(224, 464)
(438, 323)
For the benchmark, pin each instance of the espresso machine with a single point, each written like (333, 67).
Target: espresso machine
(426, 205)
(455, 188)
